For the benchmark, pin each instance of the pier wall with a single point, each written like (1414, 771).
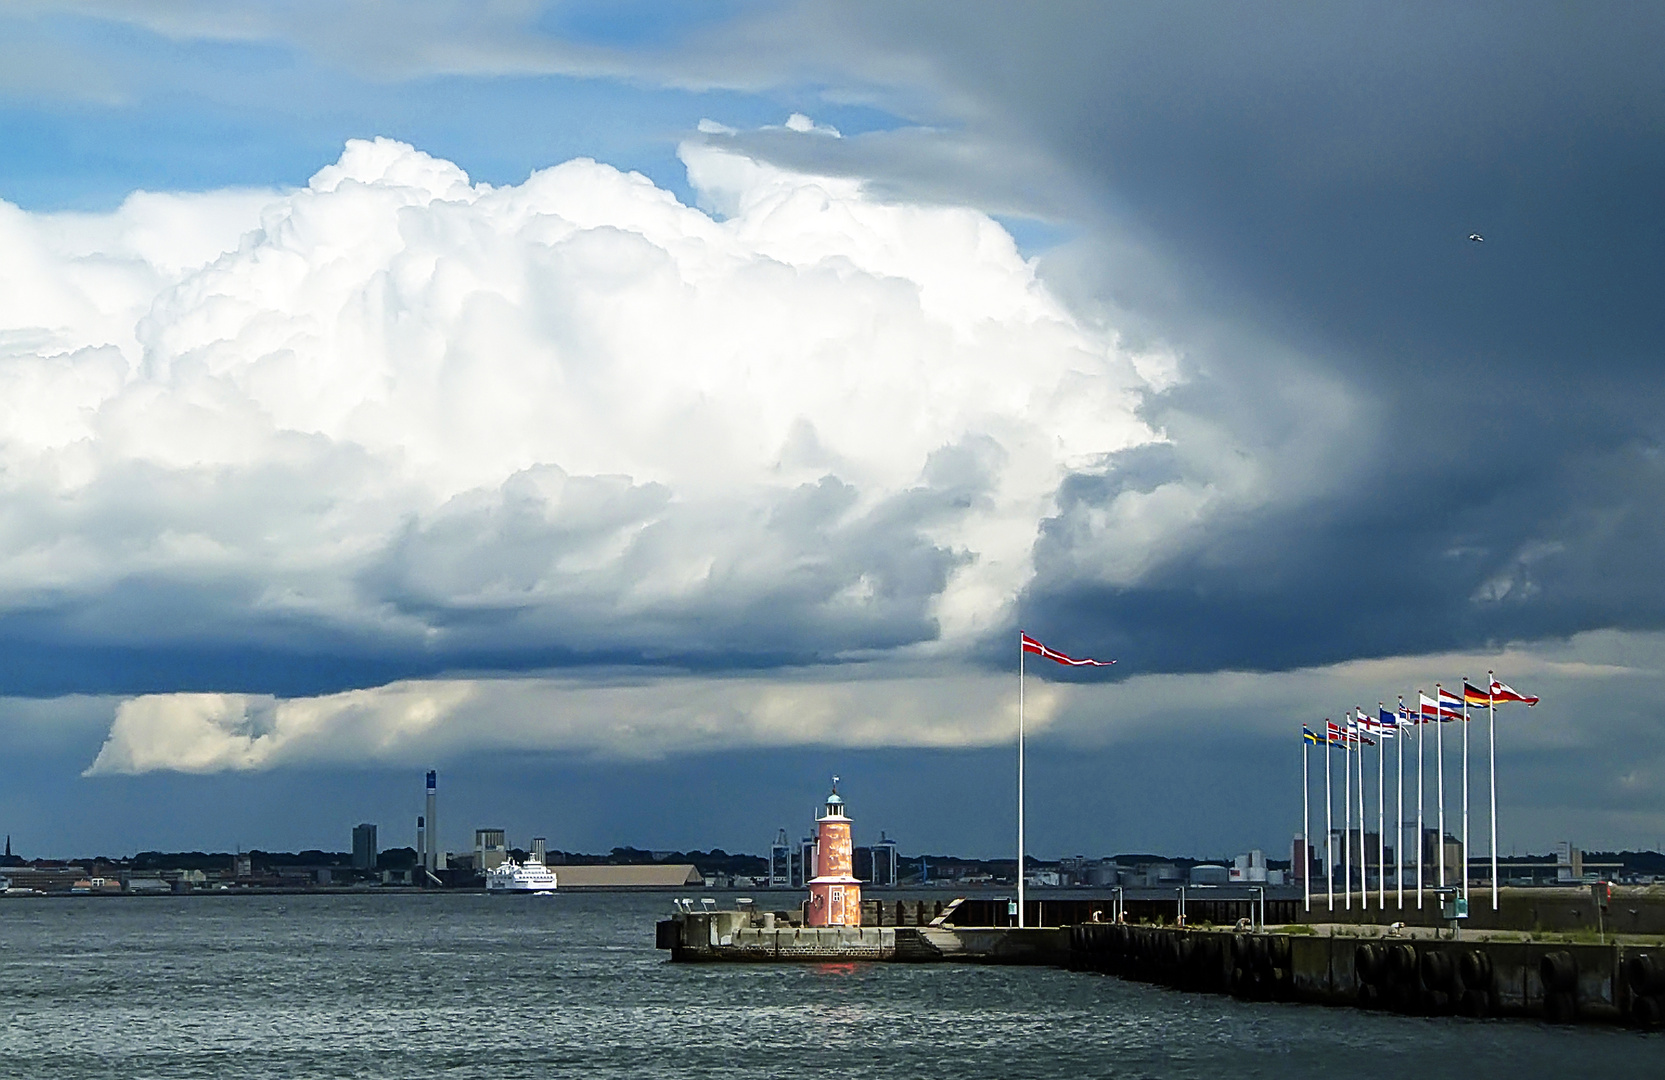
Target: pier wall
(1414, 971)
(745, 937)
(1421, 976)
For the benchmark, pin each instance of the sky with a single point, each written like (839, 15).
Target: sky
(642, 412)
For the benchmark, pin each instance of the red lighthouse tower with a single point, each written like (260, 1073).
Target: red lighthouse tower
(834, 892)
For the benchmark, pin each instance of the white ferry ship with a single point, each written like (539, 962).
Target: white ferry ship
(530, 876)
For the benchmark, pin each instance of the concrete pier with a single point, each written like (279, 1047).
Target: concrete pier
(1421, 975)
(1425, 971)
(748, 937)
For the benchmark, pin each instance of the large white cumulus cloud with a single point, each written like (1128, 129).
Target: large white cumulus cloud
(402, 412)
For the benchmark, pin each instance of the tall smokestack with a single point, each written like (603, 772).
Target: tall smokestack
(538, 850)
(421, 841)
(433, 821)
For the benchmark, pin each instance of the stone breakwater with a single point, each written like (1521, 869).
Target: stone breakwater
(1411, 971)
(1425, 976)
(744, 937)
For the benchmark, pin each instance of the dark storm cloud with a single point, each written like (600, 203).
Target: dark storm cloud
(484, 577)
(1285, 194)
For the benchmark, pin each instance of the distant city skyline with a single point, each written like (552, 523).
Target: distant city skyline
(642, 412)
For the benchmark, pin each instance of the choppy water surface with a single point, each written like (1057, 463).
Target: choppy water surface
(466, 986)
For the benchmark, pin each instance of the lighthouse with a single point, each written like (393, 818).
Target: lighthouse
(834, 892)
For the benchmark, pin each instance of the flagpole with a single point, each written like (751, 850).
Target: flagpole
(1020, 874)
(1491, 751)
(1347, 831)
(1329, 828)
(1421, 800)
(1364, 861)
(1399, 827)
(1381, 821)
(1439, 755)
(1465, 787)
(1306, 825)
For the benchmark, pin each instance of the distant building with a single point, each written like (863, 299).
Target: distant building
(1248, 869)
(490, 851)
(1152, 875)
(1302, 865)
(1210, 874)
(807, 857)
(780, 862)
(1102, 873)
(877, 864)
(1434, 853)
(364, 847)
(1569, 864)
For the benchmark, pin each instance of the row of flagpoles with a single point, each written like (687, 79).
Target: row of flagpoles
(1360, 730)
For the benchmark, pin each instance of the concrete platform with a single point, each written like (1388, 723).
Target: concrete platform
(739, 937)
(1413, 970)
(1421, 974)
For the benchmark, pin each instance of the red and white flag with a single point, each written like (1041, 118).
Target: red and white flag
(1031, 645)
(1501, 693)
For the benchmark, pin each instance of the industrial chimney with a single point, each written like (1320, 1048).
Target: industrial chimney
(432, 862)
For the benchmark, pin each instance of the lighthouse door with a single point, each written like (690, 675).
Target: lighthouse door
(835, 906)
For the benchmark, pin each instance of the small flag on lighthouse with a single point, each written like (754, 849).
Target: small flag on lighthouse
(1031, 645)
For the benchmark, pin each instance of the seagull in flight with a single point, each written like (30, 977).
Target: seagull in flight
(1477, 238)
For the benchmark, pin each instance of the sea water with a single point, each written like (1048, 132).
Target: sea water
(414, 986)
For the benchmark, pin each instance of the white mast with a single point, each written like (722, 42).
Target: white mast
(1381, 805)
(1491, 751)
(1420, 800)
(1329, 829)
(1347, 805)
(1399, 828)
(1465, 787)
(1306, 825)
(1439, 754)
(1020, 782)
(1364, 861)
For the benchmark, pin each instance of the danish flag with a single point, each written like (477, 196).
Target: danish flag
(1031, 645)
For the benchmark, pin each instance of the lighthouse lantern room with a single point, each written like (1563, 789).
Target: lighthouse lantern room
(834, 892)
